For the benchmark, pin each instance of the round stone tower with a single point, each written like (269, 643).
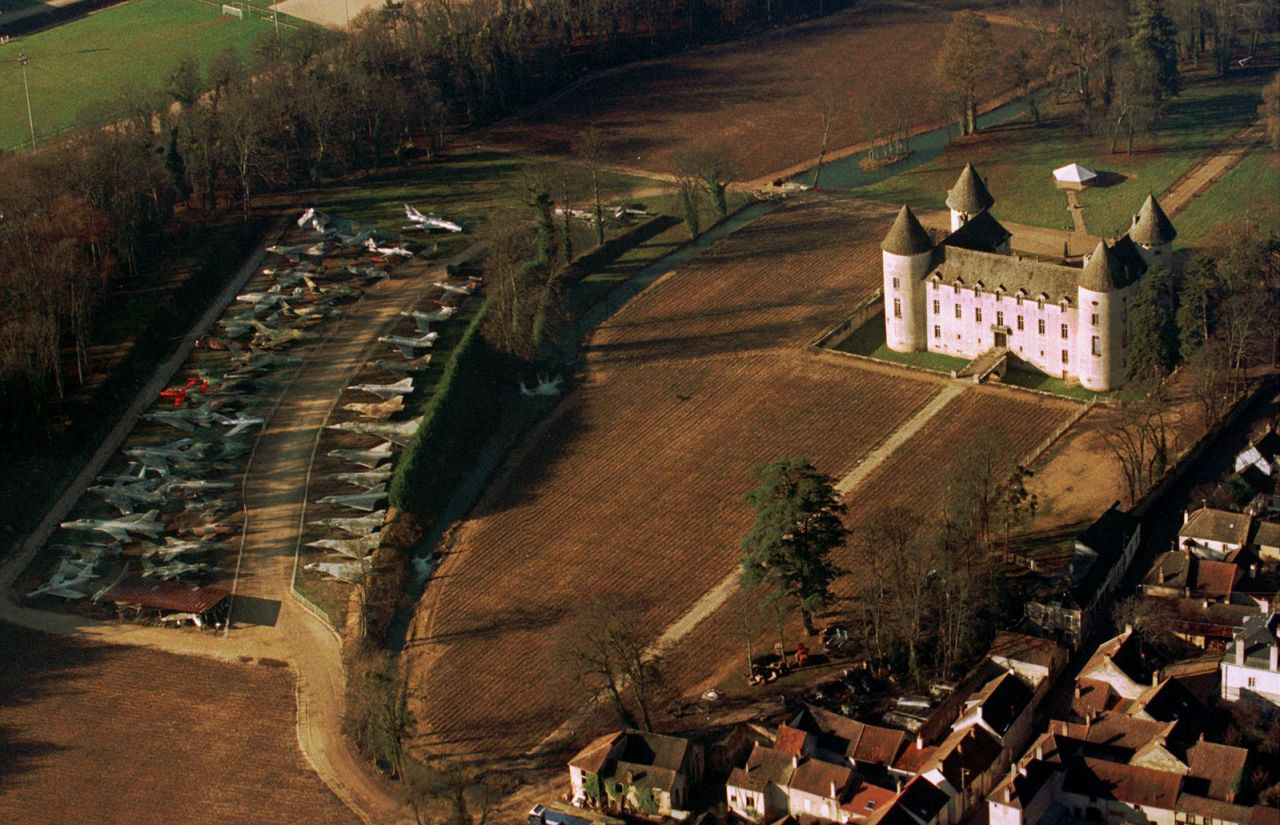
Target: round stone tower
(968, 197)
(1101, 351)
(908, 255)
(1153, 233)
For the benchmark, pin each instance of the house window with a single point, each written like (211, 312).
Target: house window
(1019, 323)
(937, 307)
(1251, 682)
(1096, 345)
(1064, 356)
(1094, 319)
(895, 282)
(955, 288)
(1040, 304)
(977, 314)
(937, 331)
(957, 310)
(1040, 326)
(897, 307)
(999, 318)
(1018, 300)
(1064, 330)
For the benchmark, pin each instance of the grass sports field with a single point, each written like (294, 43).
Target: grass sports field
(77, 67)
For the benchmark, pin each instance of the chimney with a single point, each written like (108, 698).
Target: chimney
(795, 762)
(1039, 752)
(1253, 569)
(898, 782)
(1155, 678)
(1264, 606)
(1273, 663)
(1008, 794)
(833, 789)
(1239, 652)
(1160, 574)
(1128, 629)
(1077, 691)
(919, 741)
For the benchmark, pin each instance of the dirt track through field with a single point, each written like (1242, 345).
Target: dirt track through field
(1211, 169)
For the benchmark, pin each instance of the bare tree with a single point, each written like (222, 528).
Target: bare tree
(963, 60)
(827, 105)
(1139, 439)
(589, 148)
(609, 657)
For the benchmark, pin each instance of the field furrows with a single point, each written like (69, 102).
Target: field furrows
(797, 271)
(100, 733)
(761, 98)
(636, 488)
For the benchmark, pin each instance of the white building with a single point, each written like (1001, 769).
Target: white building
(967, 295)
(1214, 534)
(1250, 667)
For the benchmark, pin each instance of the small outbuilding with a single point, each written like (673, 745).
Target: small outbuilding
(1073, 176)
(170, 601)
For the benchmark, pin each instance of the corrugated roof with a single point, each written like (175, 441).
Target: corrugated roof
(1151, 226)
(970, 194)
(165, 595)
(906, 236)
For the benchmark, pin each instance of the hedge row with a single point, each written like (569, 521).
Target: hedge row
(463, 413)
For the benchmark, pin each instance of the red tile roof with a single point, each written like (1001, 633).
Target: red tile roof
(1139, 786)
(1220, 766)
(864, 799)
(592, 758)
(1095, 697)
(790, 740)
(816, 777)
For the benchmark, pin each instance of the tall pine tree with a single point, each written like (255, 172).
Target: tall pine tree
(1154, 43)
(1154, 348)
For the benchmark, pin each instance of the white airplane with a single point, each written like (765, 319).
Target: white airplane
(309, 216)
(413, 365)
(174, 569)
(384, 391)
(425, 319)
(620, 211)
(173, 547)
(580, 214)
(389, 251)
(399, 432)
(194, 485)
(421, 221)
(181, 452)
(142, 524)
(468, 289)
(366, 271)
(408, 345)
(65, 579)
(379, 410)
(356, 526)
(351, 548)
(268, 298)
(179, 618)
(369, 479)
(371, 457)
(311, 313)
(350, 572)
(544, 387)
(365, 501)
(238, 423)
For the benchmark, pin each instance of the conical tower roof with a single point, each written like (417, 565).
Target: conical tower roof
(1103, 273)
(906, 236)
(1152, 226)
(970, 194)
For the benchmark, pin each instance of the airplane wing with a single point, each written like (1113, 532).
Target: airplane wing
(116, 533)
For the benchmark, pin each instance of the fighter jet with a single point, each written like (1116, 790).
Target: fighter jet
(350, 572)
(365, 501)
(580, 214)
(425, 319)
(238, 325)
(295, 253)
(185, 419)
(188, 486)
(120, 529)
(238, 423)
(351, 548)
(384, 391)
(261, 300)
(65, 579)
(182, 452)
(127, 497)
(421, 221)
(623, 210)
(415, 365)
(399, 432)
(356, 526)
(368, 479)
(389, 251)
(175, 569)
(269, 338)
(468, 288)
(544, 387)
(408, 345)
(379, 410)
(174, 547)
(371, 457)
(366, 272)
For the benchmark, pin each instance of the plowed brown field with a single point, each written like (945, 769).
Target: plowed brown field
(103, 733)
(759, 97)
(632, 493)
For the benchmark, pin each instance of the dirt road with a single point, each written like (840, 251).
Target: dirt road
(1211, 169)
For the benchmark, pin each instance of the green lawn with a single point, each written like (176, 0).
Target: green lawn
(868, 340)
(77, 67)
(1253, 186)
(7, 6)
(1017, 160)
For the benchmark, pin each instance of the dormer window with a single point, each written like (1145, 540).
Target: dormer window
(1040, 304)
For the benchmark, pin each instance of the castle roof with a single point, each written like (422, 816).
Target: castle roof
(990, 271)
(906, 236)
(981, 233)
(1111, 267)
(970, 194)
(1151, 226)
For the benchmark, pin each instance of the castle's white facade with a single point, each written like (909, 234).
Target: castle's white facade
(967, 294)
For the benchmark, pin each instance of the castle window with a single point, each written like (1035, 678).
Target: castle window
(897, 307)
(977, 314)
(955, 288)
(1019, 323)
(1064, 356)
(895, 282)
(937, 331)
(957, 310)
(1094, 319)
(1097, 345)
(1018, 300)
(1064, 331)
(937, 307)
(999, 318)
(1040, 326)
(1040, 303)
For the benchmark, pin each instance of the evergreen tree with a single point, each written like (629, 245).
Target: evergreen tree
(1154, 345)
(798, 524)
(176, 167)
(1194, 300)
(1154, 42)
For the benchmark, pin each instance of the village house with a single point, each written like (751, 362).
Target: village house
(647, 773)
(1180, 573)
(1262, 454)
(967, 296)
(1250, 668)
(1038, 661)
(1214, 534)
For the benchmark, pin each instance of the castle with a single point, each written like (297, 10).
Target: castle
(967, 295)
